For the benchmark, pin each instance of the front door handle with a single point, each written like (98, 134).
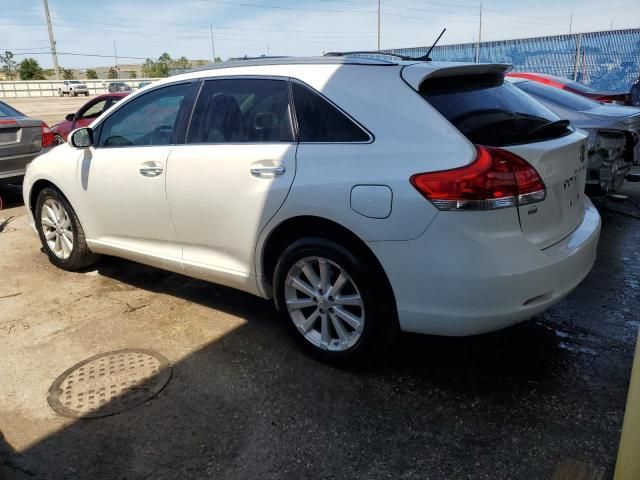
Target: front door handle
(151, 169)
(268, 172)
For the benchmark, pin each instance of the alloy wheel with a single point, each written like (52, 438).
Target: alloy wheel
(324, 303)
(57, 228)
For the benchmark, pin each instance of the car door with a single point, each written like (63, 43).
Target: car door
(122, 178)
(231, 175)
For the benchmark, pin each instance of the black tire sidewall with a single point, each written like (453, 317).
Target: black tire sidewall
(380, 319)
(75, 260)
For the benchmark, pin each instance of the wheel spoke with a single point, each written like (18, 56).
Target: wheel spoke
(66, 223)
(339, 284)
(324, 275)
(325, 335)
(339, 328)
(309, 322)
(56, 246)
(47, 222)
(348, 300)
(50, 235)
(299, 303)
(303, 287)
(68, 234)
(311, 275)
(50, 213)
(66, 247)
(353, 321)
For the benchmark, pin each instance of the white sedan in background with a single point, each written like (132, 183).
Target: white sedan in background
(365, 196)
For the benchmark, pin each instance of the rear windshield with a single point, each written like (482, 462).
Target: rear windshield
(560, 97)
(489, 111)
(7, 111)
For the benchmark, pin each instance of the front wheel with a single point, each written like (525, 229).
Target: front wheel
(75, 94)
(60, 94)
(336, 305)
(86, 94)
(61, 233)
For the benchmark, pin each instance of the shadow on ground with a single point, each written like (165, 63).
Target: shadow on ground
(511, 404)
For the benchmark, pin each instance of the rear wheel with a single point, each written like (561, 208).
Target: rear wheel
(60, 94)
(75, 94)
(61, 233)
(86, 94)
(336, 306)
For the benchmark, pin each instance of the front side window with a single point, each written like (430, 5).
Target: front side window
(489, 111)
(146, 120)
(94, 110)
(320, 121)
(241, 110)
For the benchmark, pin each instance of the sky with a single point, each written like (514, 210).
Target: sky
(147, 28)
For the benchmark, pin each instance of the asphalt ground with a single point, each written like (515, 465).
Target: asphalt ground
(50, 110)
(244, 402)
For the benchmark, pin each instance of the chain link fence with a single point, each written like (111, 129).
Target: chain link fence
(606, 61)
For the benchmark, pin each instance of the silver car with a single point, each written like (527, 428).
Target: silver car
(613, 130)
(21, 140)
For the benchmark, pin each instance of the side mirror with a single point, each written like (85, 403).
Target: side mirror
(70, 118)
(81, 138)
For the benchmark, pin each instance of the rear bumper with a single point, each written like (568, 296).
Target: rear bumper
(13, 168)
(458, 281)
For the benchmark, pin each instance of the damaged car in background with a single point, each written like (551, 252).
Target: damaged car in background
(613, 131)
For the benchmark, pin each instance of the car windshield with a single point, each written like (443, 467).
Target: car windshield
(74, 81)
(558, 96)
(490, 111)
(7, 111)
(569, 83)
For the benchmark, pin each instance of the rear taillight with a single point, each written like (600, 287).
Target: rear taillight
(47, 135)
(496, 179)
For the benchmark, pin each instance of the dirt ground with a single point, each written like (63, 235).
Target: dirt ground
(50, 110)
(245, 403)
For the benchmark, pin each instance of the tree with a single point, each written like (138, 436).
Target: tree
(112, 73)
(217, 60)
(91, 74)
(182, 63)
(8, 65)
(30, 69)
(149, 68)
(67, 74)
(133, 74)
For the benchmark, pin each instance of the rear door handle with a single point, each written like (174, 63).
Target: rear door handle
(268, 172)
(151, 169)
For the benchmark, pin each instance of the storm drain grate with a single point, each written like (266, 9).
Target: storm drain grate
(109, 383)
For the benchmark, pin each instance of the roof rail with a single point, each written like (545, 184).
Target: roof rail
(367, 52)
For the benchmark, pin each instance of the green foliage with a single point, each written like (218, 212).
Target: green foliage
(112, 73)
(30, 69)
(91, 74)
(9, 65)
(133, 74)
(217, 60)
(67, 74)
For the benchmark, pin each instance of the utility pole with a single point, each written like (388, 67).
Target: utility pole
(213, 48)
(378, 25)
(570, 24)
(54, 55)
(115, 54)
(479, 36)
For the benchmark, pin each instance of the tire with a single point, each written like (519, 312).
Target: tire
(58, 140)
(364, 288)
(72, 259)
(60, 94)
(86, 94)
(75, 94)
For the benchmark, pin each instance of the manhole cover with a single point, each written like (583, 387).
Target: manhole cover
(109, 383)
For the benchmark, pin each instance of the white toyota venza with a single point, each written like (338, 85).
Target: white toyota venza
(365, 196)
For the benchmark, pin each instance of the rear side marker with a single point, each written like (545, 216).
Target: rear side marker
(496, 179)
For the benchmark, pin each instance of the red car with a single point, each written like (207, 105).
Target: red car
(87, 114)
(620, 98)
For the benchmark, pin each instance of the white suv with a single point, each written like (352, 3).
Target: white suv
(365, 196)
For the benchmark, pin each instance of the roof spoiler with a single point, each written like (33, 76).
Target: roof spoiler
(415, 74)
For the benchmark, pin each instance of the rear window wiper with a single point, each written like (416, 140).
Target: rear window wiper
(555, 125)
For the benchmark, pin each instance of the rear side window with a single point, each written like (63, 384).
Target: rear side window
(489, 111)
(320, 121)
(558, 96)
(7, 111)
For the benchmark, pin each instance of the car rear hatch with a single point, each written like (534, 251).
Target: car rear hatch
(19, 135)
(491, 112)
